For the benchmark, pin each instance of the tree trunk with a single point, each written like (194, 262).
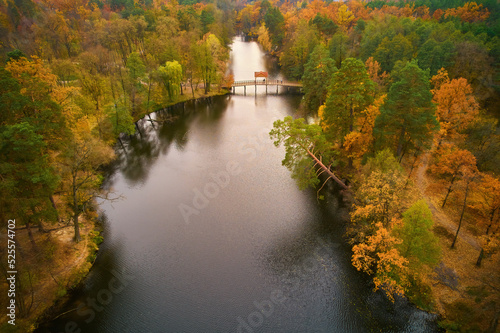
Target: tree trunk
(121, 144)
(207, 86)
(403, 152)
(40, 226)
(461, 215)
(30, 235)
(192, 89)
(412, 167)
(51, 198)
(401, 141)
(481, 254)
(19, 247)
(494, 324)
(138, 129)
(77, 227)
(331, 174)
(492, 215)
(449, 191)
(76, 212)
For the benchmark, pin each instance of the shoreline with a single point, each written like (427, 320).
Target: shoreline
(53, 311)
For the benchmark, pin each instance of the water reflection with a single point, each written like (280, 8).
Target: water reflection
(157, 132)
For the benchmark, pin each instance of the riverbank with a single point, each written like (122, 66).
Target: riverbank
(50, 265)
(187, 96)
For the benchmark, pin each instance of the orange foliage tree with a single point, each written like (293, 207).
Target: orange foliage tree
(469, 12)
(451, 164)
(486, 202)
(457, 107)
(438, 13)
(374, 71)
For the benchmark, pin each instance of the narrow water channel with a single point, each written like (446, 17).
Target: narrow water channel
(212, 235)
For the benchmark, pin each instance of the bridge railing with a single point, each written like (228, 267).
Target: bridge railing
(266, 82)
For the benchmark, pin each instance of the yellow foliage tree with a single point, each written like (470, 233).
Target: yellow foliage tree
(358, 143)
(263, 38)
(345, 17)
(378, 256)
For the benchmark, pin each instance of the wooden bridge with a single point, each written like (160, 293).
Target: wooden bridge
(266, 83)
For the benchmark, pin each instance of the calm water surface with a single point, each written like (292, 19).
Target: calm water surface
(212, 234)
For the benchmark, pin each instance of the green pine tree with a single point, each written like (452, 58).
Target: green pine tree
(407, 119)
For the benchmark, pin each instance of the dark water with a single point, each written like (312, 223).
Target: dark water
(212, 234)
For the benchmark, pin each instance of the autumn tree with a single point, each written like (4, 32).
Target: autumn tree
(450, 164)
(469, 12)
(171, 75)
(94, 86)
(264, 39)
(344, 17)
(27, 96)
(375, 73)
(298, 48)
(360, 142)
(473, 63)
(210, 55)
(379, 194)
(486, 202)
(80, 162)
(57, 34)
(457, 107)
(378, 256)
(163, 43)
(407, 121)
(118, 36)
(191, 68)
(468, 176)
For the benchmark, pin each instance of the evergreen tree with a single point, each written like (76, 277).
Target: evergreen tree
(317, 74)
(407, 119)
(351, 91)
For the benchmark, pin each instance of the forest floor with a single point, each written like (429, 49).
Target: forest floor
(466, 296)
(47, 270)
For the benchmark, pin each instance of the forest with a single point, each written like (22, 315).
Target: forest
(405, 97)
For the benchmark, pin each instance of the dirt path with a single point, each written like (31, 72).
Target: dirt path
(439, 216)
